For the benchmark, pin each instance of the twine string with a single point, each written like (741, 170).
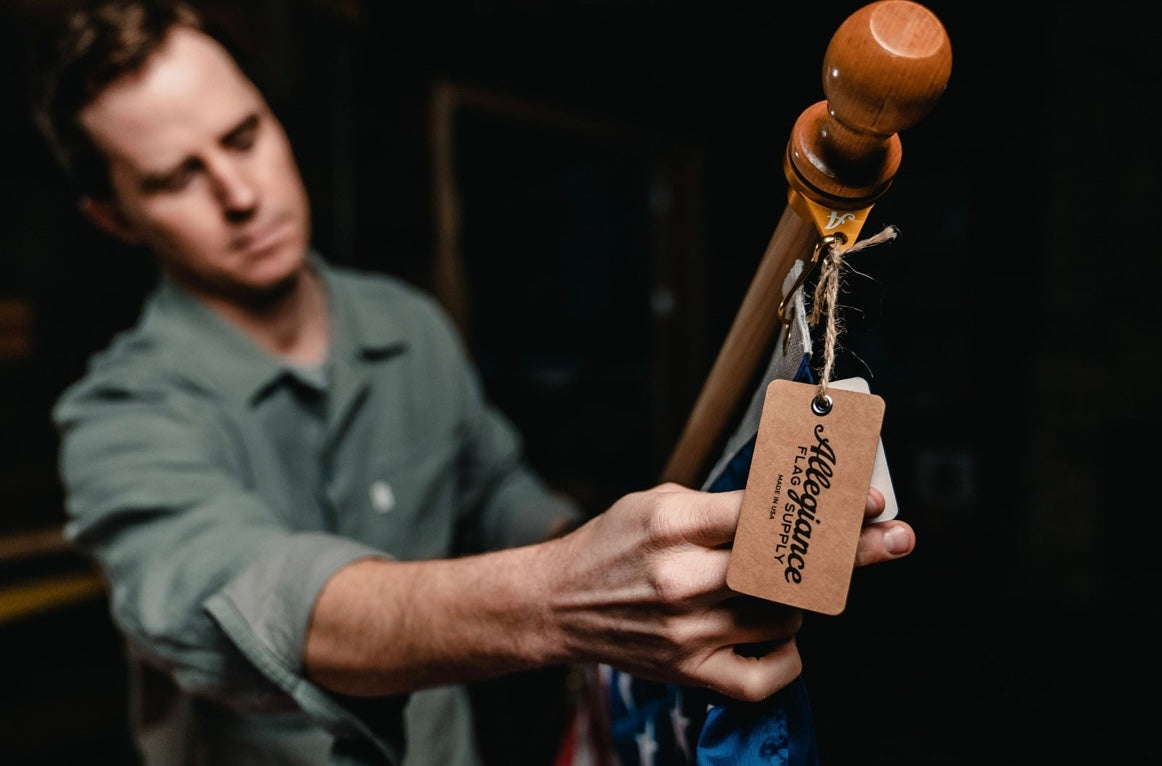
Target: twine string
(825, 301)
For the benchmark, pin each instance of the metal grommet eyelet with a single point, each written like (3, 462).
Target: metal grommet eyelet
(821, 404)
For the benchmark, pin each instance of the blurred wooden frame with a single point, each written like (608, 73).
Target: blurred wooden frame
(35, 595)
(677, 258)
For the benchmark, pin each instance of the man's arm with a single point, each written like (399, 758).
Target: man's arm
(641, 587)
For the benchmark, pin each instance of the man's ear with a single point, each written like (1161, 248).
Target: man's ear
(107, 216)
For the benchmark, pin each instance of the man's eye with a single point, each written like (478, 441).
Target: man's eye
(175, 181)
(243, 139)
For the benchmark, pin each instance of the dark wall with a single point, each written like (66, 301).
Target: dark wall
(1011, 328)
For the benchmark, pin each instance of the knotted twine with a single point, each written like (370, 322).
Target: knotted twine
(825, 301)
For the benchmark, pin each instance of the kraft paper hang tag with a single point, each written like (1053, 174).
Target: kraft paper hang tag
(804, 501)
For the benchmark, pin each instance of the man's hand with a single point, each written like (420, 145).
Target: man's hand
(645, 590)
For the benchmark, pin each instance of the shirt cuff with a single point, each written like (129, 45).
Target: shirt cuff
(265, 612)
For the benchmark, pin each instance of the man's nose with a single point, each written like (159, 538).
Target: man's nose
(235, 188)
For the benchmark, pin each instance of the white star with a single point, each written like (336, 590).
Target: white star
(647, 745)
(679, 722)
(624, 690)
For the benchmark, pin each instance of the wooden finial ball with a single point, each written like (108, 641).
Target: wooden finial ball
(884, 69)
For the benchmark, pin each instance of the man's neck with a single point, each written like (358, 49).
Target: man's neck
(291, 323)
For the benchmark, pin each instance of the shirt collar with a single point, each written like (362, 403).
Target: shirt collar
(360, 328)
(237, 366)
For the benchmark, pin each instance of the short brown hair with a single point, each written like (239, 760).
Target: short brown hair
(99, 42)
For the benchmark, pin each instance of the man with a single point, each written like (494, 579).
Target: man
(313, 525)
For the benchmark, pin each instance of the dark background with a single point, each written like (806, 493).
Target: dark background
(618, 169)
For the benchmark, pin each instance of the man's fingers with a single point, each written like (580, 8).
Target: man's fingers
(707, 519)
(751, 679)
(875, 503)
(884, 541)
(742, 619)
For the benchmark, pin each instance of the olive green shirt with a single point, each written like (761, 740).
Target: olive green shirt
(219, 488)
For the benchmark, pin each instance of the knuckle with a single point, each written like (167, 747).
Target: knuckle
(674, 519)
(660, 524)
(671, 585)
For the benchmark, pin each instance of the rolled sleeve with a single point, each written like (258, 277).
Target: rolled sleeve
(266, 609)
(265, 612)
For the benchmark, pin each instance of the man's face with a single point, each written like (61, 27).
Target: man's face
(202, 172)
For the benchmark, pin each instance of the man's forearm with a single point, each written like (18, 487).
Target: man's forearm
(385, 627)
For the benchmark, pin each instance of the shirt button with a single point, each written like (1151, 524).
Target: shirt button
(382, 498)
